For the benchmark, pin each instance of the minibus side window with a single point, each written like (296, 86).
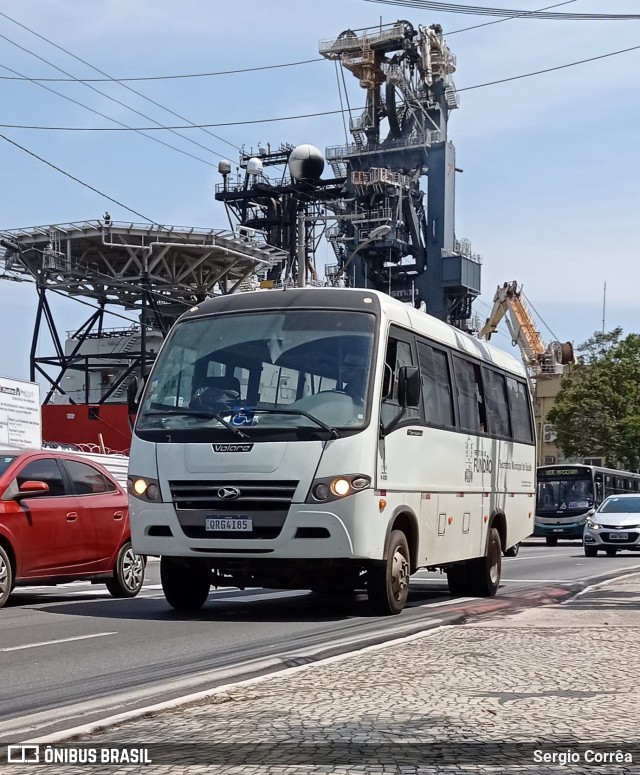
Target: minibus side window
(471, 406)
(436, 386)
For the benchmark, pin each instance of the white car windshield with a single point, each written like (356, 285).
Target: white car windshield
(615, 505)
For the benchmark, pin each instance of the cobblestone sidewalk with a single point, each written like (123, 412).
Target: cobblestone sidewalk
(478, 698)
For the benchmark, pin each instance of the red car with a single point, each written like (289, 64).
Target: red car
(63, 518)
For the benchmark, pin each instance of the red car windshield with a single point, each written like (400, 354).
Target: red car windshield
(5, 462)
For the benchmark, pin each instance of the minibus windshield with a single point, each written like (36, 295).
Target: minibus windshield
(243, 369)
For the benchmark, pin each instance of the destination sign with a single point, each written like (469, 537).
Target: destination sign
(554, 473)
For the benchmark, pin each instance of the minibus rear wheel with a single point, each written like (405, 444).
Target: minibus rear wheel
(458, 579)
(483, 573)
(185, 584)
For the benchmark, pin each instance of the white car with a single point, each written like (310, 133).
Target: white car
(614, 526)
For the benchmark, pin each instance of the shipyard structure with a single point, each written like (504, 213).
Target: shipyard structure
(384, 201)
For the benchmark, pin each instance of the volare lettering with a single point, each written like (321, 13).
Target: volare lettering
(232, 447)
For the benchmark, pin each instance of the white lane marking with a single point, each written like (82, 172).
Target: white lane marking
(625, 568)
(265, 596)
(537, 557)
(439, 603)
(537, 581)
(593, 587)
(52, 642)
(224, 591)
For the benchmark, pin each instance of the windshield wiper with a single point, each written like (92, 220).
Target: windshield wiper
(198, 413)
(299, 412)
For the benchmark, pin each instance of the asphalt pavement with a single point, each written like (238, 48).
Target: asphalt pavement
(502, 692)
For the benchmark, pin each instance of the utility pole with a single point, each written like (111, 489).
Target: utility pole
(604, 303)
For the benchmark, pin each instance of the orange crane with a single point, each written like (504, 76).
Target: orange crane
(540, 359)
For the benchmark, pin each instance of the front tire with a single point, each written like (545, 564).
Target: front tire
(128, 575)
(388, 580)
(512, 551)
(590, 551)
(6, 577)
(551, 541)
(185, 585)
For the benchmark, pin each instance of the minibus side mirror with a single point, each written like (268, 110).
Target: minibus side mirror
(134, 394)
(133, 391)
(409, 386)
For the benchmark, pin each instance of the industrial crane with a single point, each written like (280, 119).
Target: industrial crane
(540, 360)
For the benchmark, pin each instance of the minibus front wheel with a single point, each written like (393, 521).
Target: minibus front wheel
(388, 580)
(185, 583)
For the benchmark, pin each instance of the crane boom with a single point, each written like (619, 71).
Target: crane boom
(539, 359)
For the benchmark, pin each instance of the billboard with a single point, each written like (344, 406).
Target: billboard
(20, 420)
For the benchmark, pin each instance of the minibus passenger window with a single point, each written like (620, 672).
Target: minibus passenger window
(471, 405)
(436, 386)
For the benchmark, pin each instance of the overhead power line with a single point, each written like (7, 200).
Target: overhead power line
(550, 69)
(77, 180)
(508, 19)
(318, 113)
(170, 77)
(179, 126)
(98, 91)
(238, 70)
(474, 10)
(115, 121)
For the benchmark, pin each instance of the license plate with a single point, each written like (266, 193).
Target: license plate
(558, 530)
(229, 524)
(618, 536)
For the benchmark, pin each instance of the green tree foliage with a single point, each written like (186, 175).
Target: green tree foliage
(597, 411)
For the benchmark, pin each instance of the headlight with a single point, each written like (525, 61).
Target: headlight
(331, 488)
(593, 525)
(340, 487)
(144, 488)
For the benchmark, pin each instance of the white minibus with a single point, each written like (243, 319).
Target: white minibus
(329, 439)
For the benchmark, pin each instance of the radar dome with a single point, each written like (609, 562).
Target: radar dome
(224, 166)
(254, 166)
(306, 163)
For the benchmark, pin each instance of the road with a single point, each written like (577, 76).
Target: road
(73, 654)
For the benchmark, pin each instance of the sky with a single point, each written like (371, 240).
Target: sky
(549, 192)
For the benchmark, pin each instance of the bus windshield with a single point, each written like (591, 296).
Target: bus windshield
(557, 493)
(255, 371)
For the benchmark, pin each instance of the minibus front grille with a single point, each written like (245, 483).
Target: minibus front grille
(264, 532)
(224, 495)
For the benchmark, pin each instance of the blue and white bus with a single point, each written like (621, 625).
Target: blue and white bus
(568, 494)
(329, 439)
